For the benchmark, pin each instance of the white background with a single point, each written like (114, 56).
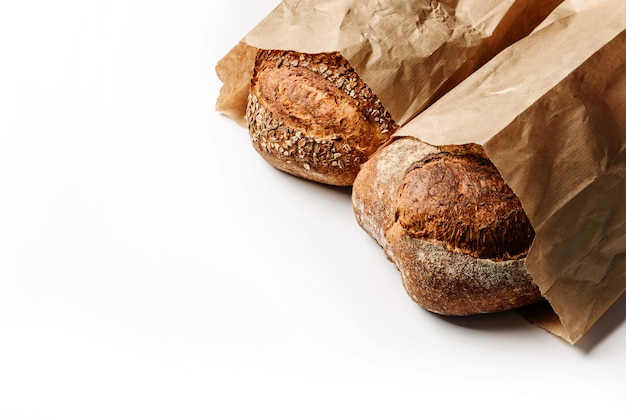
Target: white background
(153, 265)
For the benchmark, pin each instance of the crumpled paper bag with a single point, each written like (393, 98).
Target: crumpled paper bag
(550, 112)
(408, 52)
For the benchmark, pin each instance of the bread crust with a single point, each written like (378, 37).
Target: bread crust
(312, 116)
(448, 221)
(463, 202)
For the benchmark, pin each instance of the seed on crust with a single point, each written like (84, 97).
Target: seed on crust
(337, 120)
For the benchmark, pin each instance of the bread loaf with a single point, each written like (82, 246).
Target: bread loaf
(454, 229)
(312, 116)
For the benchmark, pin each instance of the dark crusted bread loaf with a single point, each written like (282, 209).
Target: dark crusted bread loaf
(312, 116)
(454, 229)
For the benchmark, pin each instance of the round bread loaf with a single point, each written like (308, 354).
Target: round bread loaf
(454, 229)
(312, 116)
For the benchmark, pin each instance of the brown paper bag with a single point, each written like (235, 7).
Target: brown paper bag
(550, 112)
(408, 52)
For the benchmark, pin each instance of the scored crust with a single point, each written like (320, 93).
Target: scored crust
(456, 232)
(463, 202)
(312, 116)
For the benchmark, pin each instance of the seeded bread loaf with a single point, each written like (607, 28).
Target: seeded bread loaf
(312, 116)
(454, 229)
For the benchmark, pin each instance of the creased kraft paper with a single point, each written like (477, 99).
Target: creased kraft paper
(550, 112)
(408, 52)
